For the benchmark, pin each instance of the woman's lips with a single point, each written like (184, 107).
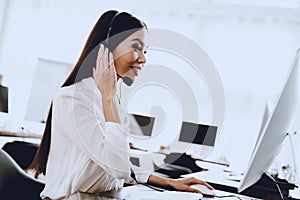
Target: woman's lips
(135, 70)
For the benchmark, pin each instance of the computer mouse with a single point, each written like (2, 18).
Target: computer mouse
(204, 190)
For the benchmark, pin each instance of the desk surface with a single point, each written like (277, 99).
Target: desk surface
(223, 179)
(20, 134)
(137, 192)
(217, 174)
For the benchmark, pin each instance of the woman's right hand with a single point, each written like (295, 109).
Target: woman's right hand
(105, 74)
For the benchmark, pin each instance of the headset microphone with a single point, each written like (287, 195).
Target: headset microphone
(128, 81)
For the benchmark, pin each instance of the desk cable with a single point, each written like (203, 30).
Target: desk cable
(294, 156)
(276, 183)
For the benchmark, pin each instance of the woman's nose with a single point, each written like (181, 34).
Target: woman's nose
(141, 59)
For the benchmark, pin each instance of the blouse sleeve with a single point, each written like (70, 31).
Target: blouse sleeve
(141, 174)
(105, 143)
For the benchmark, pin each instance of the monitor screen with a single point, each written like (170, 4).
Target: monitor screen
(135, 161)
(48, 77)
(198, 134)
(142, 124)
(3, 99)
(276, 128)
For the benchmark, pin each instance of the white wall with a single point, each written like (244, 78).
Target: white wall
(251, 46)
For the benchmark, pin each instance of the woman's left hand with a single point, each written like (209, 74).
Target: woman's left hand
(184, 184)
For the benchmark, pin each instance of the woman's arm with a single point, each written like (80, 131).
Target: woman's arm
(177, 184)
(110, 111)
(106, 79)
(79, 118)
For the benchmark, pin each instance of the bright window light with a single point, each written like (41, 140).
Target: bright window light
(264, 3)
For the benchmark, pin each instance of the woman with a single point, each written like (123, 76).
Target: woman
(88, 150)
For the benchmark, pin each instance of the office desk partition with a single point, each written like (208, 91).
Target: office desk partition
(140, 192)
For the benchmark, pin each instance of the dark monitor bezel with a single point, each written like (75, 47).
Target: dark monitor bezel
(197, 138)
(3, 99)
(139, 119)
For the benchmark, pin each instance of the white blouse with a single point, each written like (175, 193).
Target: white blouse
(86, 154)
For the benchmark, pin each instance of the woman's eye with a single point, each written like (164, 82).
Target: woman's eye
(137, 47)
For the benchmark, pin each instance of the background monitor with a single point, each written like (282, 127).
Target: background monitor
(48, 77)
(275, 129)
(141, 125)
(198, 134)
(3, 99)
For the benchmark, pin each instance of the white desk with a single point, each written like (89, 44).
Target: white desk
(139, 192)
(216, 174)
(221, 179)
(20, 134)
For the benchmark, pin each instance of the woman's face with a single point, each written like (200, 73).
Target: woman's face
(129, 55)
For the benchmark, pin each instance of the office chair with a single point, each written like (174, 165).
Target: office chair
(15, 183)
(21, 152)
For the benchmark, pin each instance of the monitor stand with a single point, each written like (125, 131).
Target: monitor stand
(266, 187)
(269, 185)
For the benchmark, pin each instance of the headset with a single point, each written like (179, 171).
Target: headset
(125, 79)
(105, 42)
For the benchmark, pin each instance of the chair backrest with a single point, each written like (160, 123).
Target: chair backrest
(21, 152)
(15, 183)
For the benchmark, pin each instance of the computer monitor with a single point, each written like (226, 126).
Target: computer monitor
(262, 126)
(276, 128)
(141, 125)
(194, 139)
(198, 134)
(3, 99)
(48, 77)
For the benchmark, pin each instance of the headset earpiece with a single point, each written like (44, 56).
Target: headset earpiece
(125, 79)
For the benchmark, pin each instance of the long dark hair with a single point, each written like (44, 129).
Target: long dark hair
(109, 24)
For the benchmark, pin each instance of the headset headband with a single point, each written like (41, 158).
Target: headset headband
(110, 26)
